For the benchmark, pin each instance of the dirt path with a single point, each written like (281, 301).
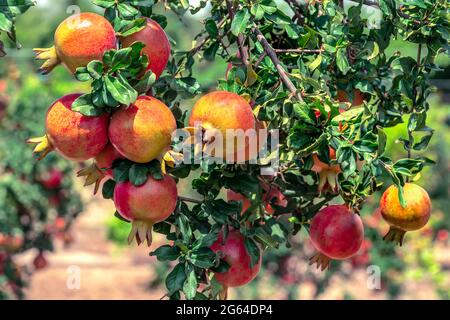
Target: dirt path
(106, 272)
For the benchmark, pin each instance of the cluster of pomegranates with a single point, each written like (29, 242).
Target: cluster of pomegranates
(142, 132)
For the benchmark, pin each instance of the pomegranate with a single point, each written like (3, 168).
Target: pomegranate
(79, 39)
(145, 205)
(101, 168)
(143, 131)
(157, 46)
(71, 134)
(52, 179)
(236, 255)
(40, 262)
(337, 233)
(218, 112)
(234, 196)
(327, 173)
(401, 219)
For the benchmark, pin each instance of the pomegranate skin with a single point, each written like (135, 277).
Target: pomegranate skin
(337, 232)
(236, 255)
(73, 135)
(152, 202)
(105, 159)
(157, 46)
(143, 131)
(79, 39)
(234, 196)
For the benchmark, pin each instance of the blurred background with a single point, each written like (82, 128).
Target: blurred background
(58, 241)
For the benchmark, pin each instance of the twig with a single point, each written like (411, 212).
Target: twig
(205, 40)
(299, 50)
(240, 39)
(273, 56)
(260, 59)
(187, 199)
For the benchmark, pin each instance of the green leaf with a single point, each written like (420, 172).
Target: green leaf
(145, 83)
(342, 61)
(253, 250)
(108, 189)
(120, 90)
(129, 28)
(81, 74)
(166, 253)
(190, 285)
(84, 105)
(138, 174)
(121, 171)
(95, 69)
(176, 278)
(210, 53)
(104, 3)
(304, 112)
(211, 28)
(317, 61)
(127, 11)
(240, 22)
(202, 258)
(382, 138)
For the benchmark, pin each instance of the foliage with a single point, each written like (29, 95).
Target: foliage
(293, 60)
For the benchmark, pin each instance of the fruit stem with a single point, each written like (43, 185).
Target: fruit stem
(395, 235)
(43, 146)
(50, 56)
(322, 261)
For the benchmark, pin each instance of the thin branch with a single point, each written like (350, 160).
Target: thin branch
(205, 40)
(240, 39)
(187, 199)
(273, 56)
(299, 50)
(260, 59)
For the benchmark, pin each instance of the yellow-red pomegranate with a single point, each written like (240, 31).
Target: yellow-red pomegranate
(413, 216)
(71, 134)
(157, 46)
(220, 112)
(143, 131)
(145, 205)
(337, 233)
(79, 39)
(236, 255)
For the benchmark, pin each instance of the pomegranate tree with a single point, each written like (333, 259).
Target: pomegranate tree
(297, 73)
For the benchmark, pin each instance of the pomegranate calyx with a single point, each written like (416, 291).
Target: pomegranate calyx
(141, 231)
(395, 235)
(322, 261)
(43, 146)
(51, 59)
(170, 158)
(93, 175)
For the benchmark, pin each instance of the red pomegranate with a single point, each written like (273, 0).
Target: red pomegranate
(145, 205)
(71, 134)
(157, 46)
(337, 233)
(40, 262)
(236, 255)
(101, 168)
(52, 179)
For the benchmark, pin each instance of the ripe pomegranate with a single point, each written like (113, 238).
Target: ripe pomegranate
(358, 97)
(220, 111)
(337, 233)
(236, 255)
(79, 39)
(145, 205)
(52, 179)
(71, 134)
(327, 173)
(101, 168)
(253, 145)
(143, 131)
(157, 46)
(234, 196)
(40, 262)
(412, 217)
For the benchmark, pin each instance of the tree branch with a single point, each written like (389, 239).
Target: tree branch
(240, 39)
(299, 50)
(187, 199)
(273, 56)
